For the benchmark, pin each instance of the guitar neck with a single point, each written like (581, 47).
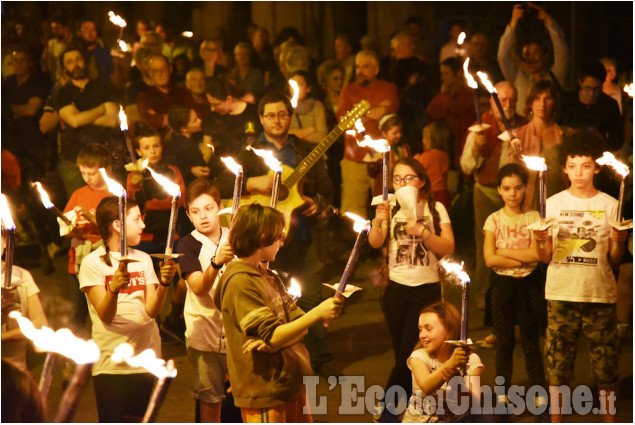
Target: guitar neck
(310, 160)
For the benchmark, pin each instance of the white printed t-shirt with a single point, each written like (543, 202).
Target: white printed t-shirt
(410, 262)
(203, 322)
(131, 323)
(512, 233)
(579, 270)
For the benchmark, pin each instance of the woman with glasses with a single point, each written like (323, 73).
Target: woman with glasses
(418, 232)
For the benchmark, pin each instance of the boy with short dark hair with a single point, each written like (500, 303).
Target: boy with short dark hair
(263, 324)
(153, 200)
(205, 252)
(580, 289)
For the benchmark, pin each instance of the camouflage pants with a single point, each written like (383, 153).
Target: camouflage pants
(598, 323)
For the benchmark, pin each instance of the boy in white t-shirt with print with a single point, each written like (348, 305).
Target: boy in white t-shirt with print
(205, 252)
(581, 291)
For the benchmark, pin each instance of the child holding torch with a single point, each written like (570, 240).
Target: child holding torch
(123, 300)
(263, 325)
(419, 234)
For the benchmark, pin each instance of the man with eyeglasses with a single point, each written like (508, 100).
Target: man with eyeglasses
(155, 101)
(384, 99)
(301, 255)
(589, 107)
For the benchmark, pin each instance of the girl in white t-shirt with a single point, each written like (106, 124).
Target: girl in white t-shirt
(517, 286)
(435, 364)
(123, 302)
(418, 237)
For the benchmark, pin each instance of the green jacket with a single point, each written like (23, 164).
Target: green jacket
(253, 303)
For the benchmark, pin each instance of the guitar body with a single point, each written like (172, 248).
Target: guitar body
(290, 200)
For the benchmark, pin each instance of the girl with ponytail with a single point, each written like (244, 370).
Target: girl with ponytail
(123, 301)
(420, 233)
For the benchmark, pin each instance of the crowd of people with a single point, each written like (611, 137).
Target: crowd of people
(456, 169)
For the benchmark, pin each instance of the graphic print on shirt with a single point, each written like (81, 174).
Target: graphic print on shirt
(410, 250)
(578, 233)
(137, 282)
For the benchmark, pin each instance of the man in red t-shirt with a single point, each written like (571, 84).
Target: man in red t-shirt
(384, 99)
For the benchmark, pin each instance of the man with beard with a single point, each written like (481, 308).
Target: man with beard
(481, 157)
(384, 99)
(107, 71)
(300, 255)
(89, 114)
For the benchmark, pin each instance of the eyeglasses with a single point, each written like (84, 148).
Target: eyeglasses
(406, 179)
(281, 116)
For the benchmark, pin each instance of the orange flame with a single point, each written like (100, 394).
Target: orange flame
(295, 290)
(380, 145)
(147, 359)
(46, 201)
(170, 187)
(123, 46)
(123, 119)
(296, 93)
(483, 76)
(233, 166)
(608, 159)
(188, 34)
(628, 89)
(270, 160)
(455, 269)
(471, 82)
(461, 39)
(117, 20)
(61, 341)
(360, 224)
(5, 213)
(535, 163)
(113, 187)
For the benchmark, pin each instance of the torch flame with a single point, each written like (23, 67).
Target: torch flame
(117, 20)
(113, 187)
(147, 359)
(5, 213)
(628, 89)
(123, 119)
(270, 160)
(360, 224)
(61, 341)
(359, 126)
(471, 82)
(461, 39)
(123, 46)
(380, 145)
(456, 270)
(45, 196)
(483, 76)
(170, 187)
(188, 34)
(296, 93)
(535, 163)
(608, 159)
(295, 290)
(233, 166)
